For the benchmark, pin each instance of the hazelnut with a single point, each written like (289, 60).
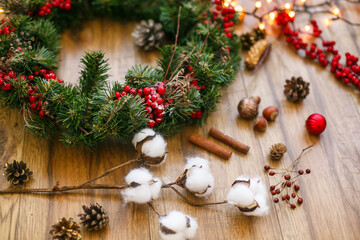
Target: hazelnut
(260, 124)
(248, 108)
(271, 113)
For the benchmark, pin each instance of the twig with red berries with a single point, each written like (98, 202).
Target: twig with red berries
(286, 188)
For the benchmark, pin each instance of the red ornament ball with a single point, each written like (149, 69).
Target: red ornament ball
(316, 123)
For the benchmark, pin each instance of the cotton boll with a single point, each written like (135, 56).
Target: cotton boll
(240, 194)
(140, 136)
(176, 236)
(197, 161)
(191, 230)
(155, 147)
(262, 209)
(199, 181)
(139, 175)
(140, 194)
(257, 186)
(155, 187)
(173, 225)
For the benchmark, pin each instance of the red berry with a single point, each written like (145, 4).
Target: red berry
(283, 198)
(127, 89)
(33, 105)
(273, 192)
(41, 13)
(148, 109)
(133, 91)
(218, 7)
(229, 35)
(151, 123)
(287, 196)
(293, 206)
(146, 91)
(300, 201)
(308, 171)
(1, 81)
(8, 87)
(42, 71)
(67, 6)
(31, 77)
(154, 105)
(32, 98)
(140, 92)
(36, 73)
(160, 101)
(287, 177)
(288, 184)
(271, 173)
(160, 109)
(301, 172)
(272, 187)
(41, 114)
(277, 191)
(276, 200)
(161, 90)
(161, 115)
(158, 120)
(154, 98)
(293, 195)
(296, 187)
(117, 94)
(11, 74)
(148, 103)
(267, 167)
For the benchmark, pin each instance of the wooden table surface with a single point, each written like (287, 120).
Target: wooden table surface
(331, 208)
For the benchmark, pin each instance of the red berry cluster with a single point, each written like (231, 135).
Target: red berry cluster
(349, 74)
(197, 114)
(154, 104)
(46, 9)
(287, 189)
(283, 18)
(6, 29)
(225, 15)
(4, 80)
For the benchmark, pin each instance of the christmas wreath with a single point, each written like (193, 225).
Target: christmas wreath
(183, 88)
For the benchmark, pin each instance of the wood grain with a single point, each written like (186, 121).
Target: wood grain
(331, 208)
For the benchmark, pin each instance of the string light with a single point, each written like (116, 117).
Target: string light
(268, 1)
(302, 1)
(226, 4)
(272, 16)
(327, 22)
(233, 3)
(258, 4)
(287, 5)
(239, 9)
(261, 26)
(292, 14)
(1, 10)
(307, 28)
(335, 11)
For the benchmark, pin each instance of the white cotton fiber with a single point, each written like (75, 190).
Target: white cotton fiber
(199, 181)
(197, 161)
(243, 178)
(140, 194)
(190, 232)
(241, 195)
(263, 208)
(142, 135)
(155, 187)
(257, 186)
(139, 175)
(155, 147)
(177, 222)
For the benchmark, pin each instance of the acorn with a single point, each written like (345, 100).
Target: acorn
(248, 107)
(260, 124)
(271, 113)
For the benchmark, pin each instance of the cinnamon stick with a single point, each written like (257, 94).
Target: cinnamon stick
(229, 140)
(210, 146)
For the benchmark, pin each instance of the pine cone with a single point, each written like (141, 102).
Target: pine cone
(296, 89)
(17, 173)
(255, 54)
(148, 34)
(66, 230)
(94, 218)
(250, 38)
(277, 151)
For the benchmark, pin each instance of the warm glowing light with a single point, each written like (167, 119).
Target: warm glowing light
(258, 4)
(268, 1)
(272, 16)
(1, 10)
(262, 26)
(292, 14)
(239, 9)
(335, 11)
(302, 1)
(287, 5)
(307, 28)
(327, 22)
(226, 4)
(233, 3)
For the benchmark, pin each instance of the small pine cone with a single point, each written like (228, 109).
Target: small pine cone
(250, 38)
(94, 218)
(277, 151)
(255, 54)
(17, 173)
(65, 230)
(148, 34)
(296, 89)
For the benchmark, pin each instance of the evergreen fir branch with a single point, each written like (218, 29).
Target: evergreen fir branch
(141, 76)
(93, 76)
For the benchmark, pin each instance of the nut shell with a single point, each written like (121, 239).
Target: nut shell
(248, 108)
(260, 124)
(271, 113)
